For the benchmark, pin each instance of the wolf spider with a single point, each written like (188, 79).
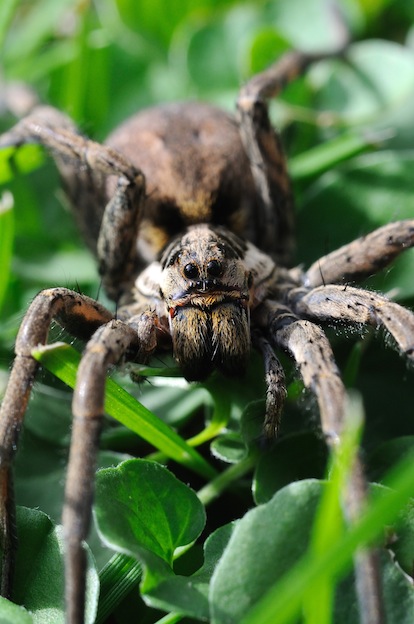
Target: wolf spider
(189, 213)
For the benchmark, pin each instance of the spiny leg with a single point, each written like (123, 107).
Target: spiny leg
(311, 351)
(346, 304)
(85, 166)
(107, 346)
(309, 348)
(275, 385)
(82, 316)
(364, 256)
(265, 152)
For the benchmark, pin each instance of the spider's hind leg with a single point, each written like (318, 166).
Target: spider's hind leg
(109, 226)
(274, 222)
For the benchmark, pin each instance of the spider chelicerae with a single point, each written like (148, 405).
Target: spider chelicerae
(189, 213)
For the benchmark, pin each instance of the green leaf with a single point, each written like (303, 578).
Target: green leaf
(311, 25)
(374, 87)
(283, 600)
(11, 613)
(159, 20)
(36, 26)
(39, 584)
(273, 575)
(66, 267)
(117, 578)
(7, 9)
(229, 447)
(151, 514)
(23, 160)
(327, 155)
(260, 551)
(163, 513)
(190, 594)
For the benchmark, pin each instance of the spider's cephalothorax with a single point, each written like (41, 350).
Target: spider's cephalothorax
(206, 289)
(188, 211)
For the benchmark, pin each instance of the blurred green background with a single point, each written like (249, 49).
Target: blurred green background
(348, 129)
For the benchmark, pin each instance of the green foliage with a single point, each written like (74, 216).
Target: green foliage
(274, 536)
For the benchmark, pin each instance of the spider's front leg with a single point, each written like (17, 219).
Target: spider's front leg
(86, 167)
(310, 350)
(109, 341)
(362, 257)
(275, 385)
(354, 306)
(83, 316)
(116, 340)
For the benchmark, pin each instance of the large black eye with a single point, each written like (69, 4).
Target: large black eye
(214, 268)
(191, 270)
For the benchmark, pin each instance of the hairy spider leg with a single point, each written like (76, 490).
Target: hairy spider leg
(110, 340)
(362, 257)
(311, 352)
(275, 384)
(110, 230)
(57, 303)
(350, 305)
(274, 222)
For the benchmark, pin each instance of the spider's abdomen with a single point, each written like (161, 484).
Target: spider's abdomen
(196, 171)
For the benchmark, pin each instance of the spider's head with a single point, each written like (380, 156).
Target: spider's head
(207, 290)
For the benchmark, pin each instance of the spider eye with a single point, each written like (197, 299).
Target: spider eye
(191, 270)
(214, 268)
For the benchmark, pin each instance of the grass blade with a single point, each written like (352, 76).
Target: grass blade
(62, 360)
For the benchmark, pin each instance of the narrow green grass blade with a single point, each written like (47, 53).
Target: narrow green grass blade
(329, 521)
(117, 578)
(319, 159)
(62, 360)
(283, 603)
(6, 241)
(171, 618)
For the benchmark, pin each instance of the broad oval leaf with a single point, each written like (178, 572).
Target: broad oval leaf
(267, 543)
(143, 510)
(260, 551)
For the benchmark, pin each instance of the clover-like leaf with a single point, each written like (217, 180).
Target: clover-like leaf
(143, 510)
